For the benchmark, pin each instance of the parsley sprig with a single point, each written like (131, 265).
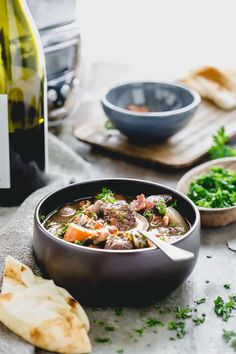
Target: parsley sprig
(219, 148)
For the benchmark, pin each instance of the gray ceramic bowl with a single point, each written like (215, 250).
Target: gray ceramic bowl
(172, 107)
(99, 276)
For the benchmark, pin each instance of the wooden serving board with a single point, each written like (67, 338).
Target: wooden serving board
(180, 151)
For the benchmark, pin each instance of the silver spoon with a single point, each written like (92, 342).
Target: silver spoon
(175, 253)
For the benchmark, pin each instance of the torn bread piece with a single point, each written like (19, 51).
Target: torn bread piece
(42, 313)
(215, 85)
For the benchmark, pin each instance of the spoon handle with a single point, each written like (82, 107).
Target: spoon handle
(175, 253)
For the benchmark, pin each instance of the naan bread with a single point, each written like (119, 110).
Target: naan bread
(42, 313)
(215, 85)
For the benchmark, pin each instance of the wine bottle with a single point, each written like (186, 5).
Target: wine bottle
(23, 111)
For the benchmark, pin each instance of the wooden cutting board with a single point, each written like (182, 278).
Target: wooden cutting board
(180, 151)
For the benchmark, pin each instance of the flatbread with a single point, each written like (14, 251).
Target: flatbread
(42, 313)
(215, 85)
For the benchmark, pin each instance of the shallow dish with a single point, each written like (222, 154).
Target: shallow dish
(172, 106)
(210, 217)
(101, 276)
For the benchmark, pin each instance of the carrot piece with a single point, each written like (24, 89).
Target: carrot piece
(98, 225)
(77, 233)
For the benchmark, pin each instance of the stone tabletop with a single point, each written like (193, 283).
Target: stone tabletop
(138, 331)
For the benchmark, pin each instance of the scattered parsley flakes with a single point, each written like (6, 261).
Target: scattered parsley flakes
(108, 125)
(120, 351)
(110, 328)
(179, 327)
(152, 322)
(103, 340)
(119, 311)
(230, 337)
(161, 309)
(98, 322)
(200, 301)
(106, 195)
(199, 320)
(227, 286)
(224, 309)
(183, 312)
(139, 331)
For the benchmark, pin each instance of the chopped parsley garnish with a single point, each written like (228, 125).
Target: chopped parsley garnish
(103, 340)
(119, 311)
(77, 242)
(219, 148)
(179, 327)
(161, 207)
(161, 309)
(200, 301)
(216, 189)
(108, 125)
(148, 215)
(106, 195)
(230, 337)
(42, 217)
(183, 312)
(199, 320)
(174, 204)
(120, 351)
(223, 308)
(99, 323)
(139, 331)
(152, 322)
(110, 328)
(227, 286)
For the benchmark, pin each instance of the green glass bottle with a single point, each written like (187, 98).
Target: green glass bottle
(23, 111)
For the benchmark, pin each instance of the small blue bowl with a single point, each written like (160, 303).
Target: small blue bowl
(172, 106)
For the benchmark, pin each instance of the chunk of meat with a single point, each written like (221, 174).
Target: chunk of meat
(97, 207)
(141, 203)
(118, 243)
(120, 215)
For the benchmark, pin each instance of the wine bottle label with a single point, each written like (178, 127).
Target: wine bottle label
(4, 144)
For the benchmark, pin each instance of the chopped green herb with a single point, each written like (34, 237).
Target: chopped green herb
(183, 312)
(108, 125)
(103, 340)
(77, 242)
(119, 311)
(216, 189)
(42, 217)
(174, 204)
(199, 320)
(200, 301)
(219, 148)
(230, 337)
(179, 327)
(148, 215)
(120, 351)
(110, 328)
(227, 286)
(208, 256)
(99, 323)
(161, 309)
(139, 331)
(106, 195)
(161, 207)
(152, 322)
(224, 309)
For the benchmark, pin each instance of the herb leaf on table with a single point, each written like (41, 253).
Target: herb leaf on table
(219, 148)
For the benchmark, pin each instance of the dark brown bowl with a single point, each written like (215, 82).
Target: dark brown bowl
(108, 277)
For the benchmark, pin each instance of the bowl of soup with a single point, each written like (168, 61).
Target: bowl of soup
(150, 111)
(86, 239)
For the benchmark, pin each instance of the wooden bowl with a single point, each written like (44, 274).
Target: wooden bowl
(210, 217)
